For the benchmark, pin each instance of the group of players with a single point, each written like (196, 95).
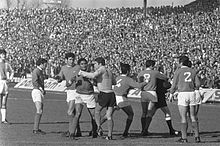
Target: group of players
(80, 80)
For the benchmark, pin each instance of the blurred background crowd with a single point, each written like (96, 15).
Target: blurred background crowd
(118, 35)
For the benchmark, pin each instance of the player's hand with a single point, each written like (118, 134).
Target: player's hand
(44, 92)
(80, 72)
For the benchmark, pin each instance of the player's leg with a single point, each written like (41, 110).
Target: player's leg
(111, 102)
(4, 98)
(94, 126)
(151, 111)
(129, 111)
(110, 122)
(37, 118)
(70, 113)
(98, 110)
(78, 111)
(195, 123)
(168, 119)
(183, 114)
(144, 106)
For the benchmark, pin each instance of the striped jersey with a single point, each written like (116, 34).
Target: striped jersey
(150, 76)
(69, 73)
(185, 80)
(124, 84)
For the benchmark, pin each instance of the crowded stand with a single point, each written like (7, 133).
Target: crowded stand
(117, 34)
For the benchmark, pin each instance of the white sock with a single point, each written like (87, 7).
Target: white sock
(3, 112)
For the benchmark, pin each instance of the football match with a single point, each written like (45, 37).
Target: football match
(109, 72)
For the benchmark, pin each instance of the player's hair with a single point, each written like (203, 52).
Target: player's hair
(150, 63)
(80, 60)
(2, 51)
(68, 55)
(190, 64)
(41, 61)
(100, 60)
(125, 68)
(184, 60)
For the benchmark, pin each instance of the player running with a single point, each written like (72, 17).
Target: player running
(38, 93)
(149, 95)
(5, 68)
(185, 82)
(106, 96)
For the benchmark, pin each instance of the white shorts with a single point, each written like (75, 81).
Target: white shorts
(37, 95)
(186, 98)
(3, 87)
(122, 101)
(70, 95)
(89, 100)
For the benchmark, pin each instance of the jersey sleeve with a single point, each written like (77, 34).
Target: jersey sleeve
(132, 83)
(197, 82)
(94, 74)
(175, 81)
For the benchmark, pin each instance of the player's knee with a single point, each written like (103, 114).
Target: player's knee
(70, 112)
(109, 118)
(167, 117)
(130, 116)
(3, 106)
(40, 111)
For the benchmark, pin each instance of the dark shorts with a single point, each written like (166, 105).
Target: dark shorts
(106, 99)
(161, 100)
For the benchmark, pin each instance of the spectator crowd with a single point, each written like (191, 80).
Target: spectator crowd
(117, 34)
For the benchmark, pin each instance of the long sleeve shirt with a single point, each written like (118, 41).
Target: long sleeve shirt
(38, 78)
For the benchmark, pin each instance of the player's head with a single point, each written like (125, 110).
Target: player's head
(150, 63)
(99, 61)
(2, 53)
(69, 57)
(125, 68)
(184, 60)
(42, 63)
(83, 63)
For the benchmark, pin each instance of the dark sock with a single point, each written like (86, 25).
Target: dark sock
(128, 124)
(148, 121)
(184, 130)
(143, 123)
(195, 126)
(78, 130)
(37, 119)
(170, 126)
(94, 126)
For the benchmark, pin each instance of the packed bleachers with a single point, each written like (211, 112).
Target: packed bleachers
(119, 34)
